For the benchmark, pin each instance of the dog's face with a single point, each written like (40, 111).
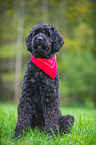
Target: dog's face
(44, 41)
(41, 44)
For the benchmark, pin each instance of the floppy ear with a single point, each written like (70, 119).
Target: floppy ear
(28, 39)
(58, 41)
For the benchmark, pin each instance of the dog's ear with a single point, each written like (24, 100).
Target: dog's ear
(28, 39)
(58, 41)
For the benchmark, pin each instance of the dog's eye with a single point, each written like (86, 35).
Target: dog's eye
(37, 31)
(48, 33)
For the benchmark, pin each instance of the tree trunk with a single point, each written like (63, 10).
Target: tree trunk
(19, 50)
(45, 11)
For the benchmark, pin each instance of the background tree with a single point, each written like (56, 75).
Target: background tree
(19, 49)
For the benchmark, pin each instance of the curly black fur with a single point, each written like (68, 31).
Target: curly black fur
(40, 95)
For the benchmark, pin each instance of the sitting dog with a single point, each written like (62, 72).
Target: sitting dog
(40, 95)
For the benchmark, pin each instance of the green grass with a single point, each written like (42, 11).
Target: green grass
(82, 133)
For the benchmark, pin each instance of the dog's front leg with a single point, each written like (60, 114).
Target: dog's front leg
(51, 120)
(24, 116)
(25, 107)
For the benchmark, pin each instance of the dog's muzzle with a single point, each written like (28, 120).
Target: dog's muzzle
(39, 43)
(40, 39)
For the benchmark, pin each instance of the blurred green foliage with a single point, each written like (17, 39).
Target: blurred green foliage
(77, 78)
(76, 60)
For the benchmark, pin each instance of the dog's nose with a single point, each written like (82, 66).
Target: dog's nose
(40, 39)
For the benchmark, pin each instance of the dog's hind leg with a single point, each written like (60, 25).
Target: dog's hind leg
(65, 123)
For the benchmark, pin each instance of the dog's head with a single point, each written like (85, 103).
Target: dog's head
(44, 41)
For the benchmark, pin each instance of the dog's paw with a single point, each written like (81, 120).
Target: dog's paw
(65, 123)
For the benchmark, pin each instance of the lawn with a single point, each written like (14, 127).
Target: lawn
(82, 133)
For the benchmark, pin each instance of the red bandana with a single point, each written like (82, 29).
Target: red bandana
(49, 66)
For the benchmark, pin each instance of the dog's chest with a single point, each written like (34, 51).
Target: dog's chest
(41, 82)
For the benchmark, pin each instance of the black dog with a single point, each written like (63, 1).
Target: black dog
(40, 97)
